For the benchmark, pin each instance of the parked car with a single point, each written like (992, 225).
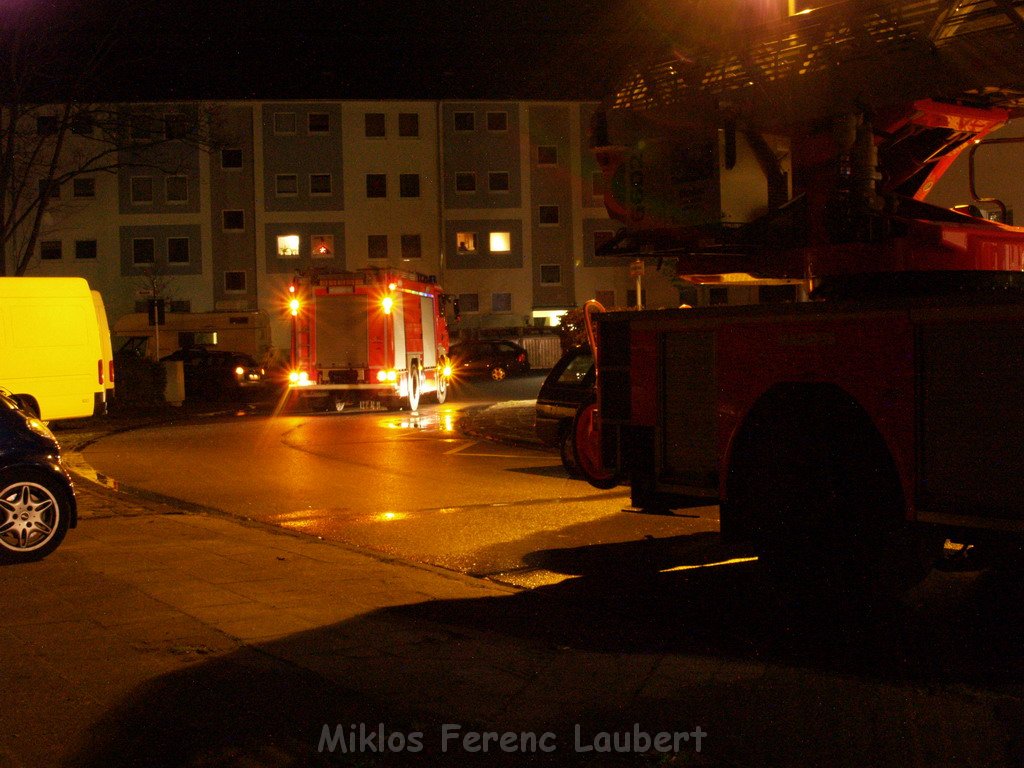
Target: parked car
(213, 374)
(37, 497)
(496, 359)
(567, 387)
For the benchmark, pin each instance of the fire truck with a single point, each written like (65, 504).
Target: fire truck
(371, 337)
(847, 438)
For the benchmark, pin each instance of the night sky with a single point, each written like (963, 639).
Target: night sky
(475, 49)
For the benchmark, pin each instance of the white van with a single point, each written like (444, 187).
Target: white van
(106, 348)
(50, 353)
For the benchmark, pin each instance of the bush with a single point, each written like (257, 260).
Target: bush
(140, 382)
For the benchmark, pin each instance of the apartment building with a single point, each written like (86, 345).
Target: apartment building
(501, 201)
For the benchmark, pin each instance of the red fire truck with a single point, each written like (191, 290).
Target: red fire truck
(370, 337)
(848, 437)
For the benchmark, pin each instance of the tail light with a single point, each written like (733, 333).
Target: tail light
(110, 378)
(99, 372)
(521, 357)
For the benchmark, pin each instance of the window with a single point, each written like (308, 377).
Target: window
(234, 221)
(139, 128)
(284, 122)
(85, 249)
(175, 126)
(605, 298)
(550, 274)
(408, 125)
(320, 184)
(497, 121)
(464, 121)
(50, 249)
(716, 296)
(287, 246)
(601, 238)
(501, 302)
(376, 185)
(47, 125)
(497, 181)
(465, 242)
(377, 246)
(597, 184)
(631, 296)
(322, 246)
(286, 184)
(177, 250)
(319, 122)
(234, 282)
(143, 250)
(231, 158)
(83, 124)
(469, 302)
(411, 247)
(84, 186)
(49, 187)
(409, 185)
(465, 182)
(142, 189)
(547, 155)
(500, 242)
(374, 125)
(176, 189)
(548, 214)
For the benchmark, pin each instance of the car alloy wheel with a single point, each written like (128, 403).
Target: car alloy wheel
(33, 515)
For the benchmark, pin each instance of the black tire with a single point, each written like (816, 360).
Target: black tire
(34, 514)
(586, 447)
(822, 501)
(566, 451)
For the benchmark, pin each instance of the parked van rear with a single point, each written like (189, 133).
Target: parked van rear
(50, 354)
(106, 348)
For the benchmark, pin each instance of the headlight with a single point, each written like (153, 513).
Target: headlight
(39, 428)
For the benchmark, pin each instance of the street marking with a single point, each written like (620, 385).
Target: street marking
(462, 448)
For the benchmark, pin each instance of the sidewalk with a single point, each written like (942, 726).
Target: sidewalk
(154, 637)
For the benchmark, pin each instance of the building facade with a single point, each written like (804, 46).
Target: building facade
(500, 201)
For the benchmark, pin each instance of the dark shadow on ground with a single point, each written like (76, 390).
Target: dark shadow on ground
(580, 652)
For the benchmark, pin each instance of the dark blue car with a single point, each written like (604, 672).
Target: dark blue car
(37, 497)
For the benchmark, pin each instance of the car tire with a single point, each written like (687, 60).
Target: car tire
(566, 452)
(498, 373)
(34, 514)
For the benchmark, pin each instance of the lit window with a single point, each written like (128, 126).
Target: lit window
(464, 121)
(374, 125)
(143, 250)
(177, 250)
(142, 189)
(411, 247)
(465, 182)
(176, 188)
(84, 187)
(234, 221)
(547, 155)
(550, 274)
(234, 282)
(376, 185)
(50, 249)
(500, 242)
(287, 184)
(377, 246)
(287, 246)
(320, 184)
(231, 158)
(408, 125)
(548, 214)
(319, 122)
(497, 181)
(284, 122)
(322, 246)
(465, 242)
(85, 249)
(497, 121)
(409, 185)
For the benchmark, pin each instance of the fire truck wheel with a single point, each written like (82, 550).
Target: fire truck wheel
(414, 387)
(442, 385)
(821, 497)
(586, 447)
